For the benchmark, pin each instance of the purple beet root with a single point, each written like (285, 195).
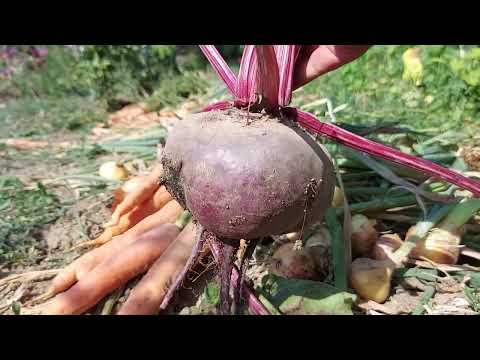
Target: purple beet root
(247, 176)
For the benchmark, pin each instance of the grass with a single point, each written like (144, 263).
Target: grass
(28, 117)
(22, 211)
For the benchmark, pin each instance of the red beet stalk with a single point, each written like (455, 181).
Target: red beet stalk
(247, 76)
(255, 306)
(356, 142)
(220, 66)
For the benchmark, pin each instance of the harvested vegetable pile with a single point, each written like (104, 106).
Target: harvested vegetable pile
(248, 179)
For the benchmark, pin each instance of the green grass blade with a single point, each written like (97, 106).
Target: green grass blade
(340, 271)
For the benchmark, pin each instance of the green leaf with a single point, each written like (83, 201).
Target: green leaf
(422, 274)
(472, 298)
(305, 297)
(472, 78)
(475, 54)
(457, 65)
(5, 204)
(426, 297)
(475, 280)
(16, 308)
(212, 293)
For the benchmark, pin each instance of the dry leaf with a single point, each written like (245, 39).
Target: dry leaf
(470, 253)
(471, 155)
(372, 306)
(449, 285)
(24, 144)
(129, 111)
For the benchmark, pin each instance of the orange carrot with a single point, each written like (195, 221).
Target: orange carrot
(148, 294)
(137, 196)
(115, 271)
(168, 214)
(127, 187)
(112, 273)
(83, 265)
(128, 220)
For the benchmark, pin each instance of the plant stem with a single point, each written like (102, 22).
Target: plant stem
(358, 175)
(365, 191)
(389, 175)
(440, 158)
(460, 214)
(183, 220)
(427, 295)
(268, 305)
(359, 143)
(338, 250)
(351, 164)
(423, 227)
(388, 202)
(394, 217)
(255, 305)
(380, 204)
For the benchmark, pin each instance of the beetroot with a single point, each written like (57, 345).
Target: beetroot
(246, 176)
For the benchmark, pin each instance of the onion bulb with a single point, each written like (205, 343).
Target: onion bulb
(113, 171)
(364, 235)
(290, 263)
(319, 246)
(385, 246)
(440, 245)
(371, 279)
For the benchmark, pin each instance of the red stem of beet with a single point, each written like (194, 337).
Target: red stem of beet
(223, 105)
(268, 78)
(356, 142)
(220, 66)
(255, 306)
(247, 78)
(286, 57)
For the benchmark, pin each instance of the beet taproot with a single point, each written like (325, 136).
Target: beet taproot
(247, 175)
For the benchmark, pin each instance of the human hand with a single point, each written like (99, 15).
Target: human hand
(316, 60)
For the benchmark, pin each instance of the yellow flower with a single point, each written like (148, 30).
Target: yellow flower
(412, 66)
(428, 99)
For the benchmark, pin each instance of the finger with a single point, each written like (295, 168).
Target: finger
(323, 59)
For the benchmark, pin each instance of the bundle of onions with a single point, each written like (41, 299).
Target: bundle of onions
(434, 239)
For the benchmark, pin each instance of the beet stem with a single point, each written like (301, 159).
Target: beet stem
(255, 305)
(237, 300)
(220, 66)
(199, 241)
(226, 266)
(359, 143)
